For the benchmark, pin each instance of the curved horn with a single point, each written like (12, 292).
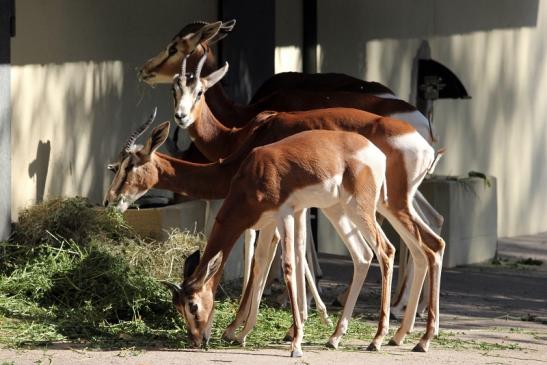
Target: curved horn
(175, 288)
(133, 137)
(201, 63)
(183, 67)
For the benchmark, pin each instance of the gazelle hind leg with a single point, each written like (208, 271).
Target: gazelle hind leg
(365, 220)
(404, 277)
(419, 269)
(426, 256)
(435, 251)
(361, 255)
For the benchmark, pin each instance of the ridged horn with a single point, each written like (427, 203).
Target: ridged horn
(133, 137)
(200, 64)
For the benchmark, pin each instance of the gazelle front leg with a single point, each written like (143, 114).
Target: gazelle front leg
(300, 223)
(286, 231)
(248, 254)
(248, 307)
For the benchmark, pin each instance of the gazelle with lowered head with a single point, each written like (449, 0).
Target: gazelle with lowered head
(409, 158)
(270, 185)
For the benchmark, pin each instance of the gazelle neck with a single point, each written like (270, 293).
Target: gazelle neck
(211, 137)
(203, 181)
(232, 220)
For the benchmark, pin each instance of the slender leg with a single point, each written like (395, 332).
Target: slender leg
(435, 221)
(361, 255)
(319, 304)
(311, 253)
(248, 254)
(300, 258)
(426, 255)
(363, 216)
(248, 308)
(286, 230)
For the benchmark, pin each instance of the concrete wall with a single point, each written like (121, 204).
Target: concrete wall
(75, 95)
(498, 48)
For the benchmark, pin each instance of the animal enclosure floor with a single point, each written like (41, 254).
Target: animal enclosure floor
(490, 314)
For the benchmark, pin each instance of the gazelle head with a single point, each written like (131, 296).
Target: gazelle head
(189, 89)
(161, 68)
(194, 298)
(135, 170)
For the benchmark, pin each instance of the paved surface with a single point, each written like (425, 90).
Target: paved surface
(503, 304)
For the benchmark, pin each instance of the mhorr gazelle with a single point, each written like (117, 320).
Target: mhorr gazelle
(289, 91)
(341, 173)
(409, 159)
(207, 181)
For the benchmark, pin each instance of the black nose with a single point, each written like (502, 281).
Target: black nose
(180, 116)
(105, 203)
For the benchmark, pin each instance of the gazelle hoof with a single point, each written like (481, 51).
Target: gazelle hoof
(228, 336)
(373, 347)
(419, 348)
(332, 345)
(297, 353)
(392, 342)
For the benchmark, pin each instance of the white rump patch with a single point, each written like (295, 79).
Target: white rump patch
(418, 121)
(418, 156)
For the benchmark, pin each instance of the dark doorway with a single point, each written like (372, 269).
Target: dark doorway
(7, 29)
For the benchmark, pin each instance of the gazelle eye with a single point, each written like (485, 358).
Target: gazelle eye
(172, 50)
(200, 93)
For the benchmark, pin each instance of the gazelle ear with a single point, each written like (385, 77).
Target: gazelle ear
(210, 30)
(156, 139)
(213, 266)
(214, 77)
(226, 28)
(190, 264)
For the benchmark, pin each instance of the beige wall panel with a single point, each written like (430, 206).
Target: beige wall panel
(75, 94)
(499, 51)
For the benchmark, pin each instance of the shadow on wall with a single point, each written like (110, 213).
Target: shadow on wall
(39, 168)
(498, 50)
(344, 47)
(63, 31)
(74, 86)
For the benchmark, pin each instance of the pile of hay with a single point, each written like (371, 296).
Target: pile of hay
(71, 271)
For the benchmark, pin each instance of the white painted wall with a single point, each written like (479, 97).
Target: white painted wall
(75, 95)
(498, 48)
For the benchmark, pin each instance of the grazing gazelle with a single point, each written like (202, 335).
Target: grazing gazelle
(409, 158)
(130, 183)
(341, 173)
(289, 91)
